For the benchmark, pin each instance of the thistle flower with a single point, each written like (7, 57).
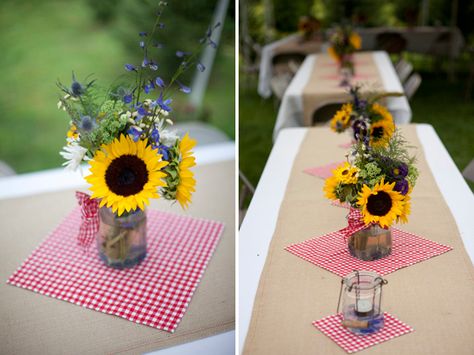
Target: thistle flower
(87, 124)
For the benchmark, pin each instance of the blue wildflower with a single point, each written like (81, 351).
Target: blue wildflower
(163, 150)
(159, 82)
(145, 62)
(161, 25)
(143, 34)
(127, 98)
(142, 44)
(134, 133)
(142, 112)
(153, 65)
(155, 135)
(183, 87)
(181, 54)
(76, 89)
(130, 67)
(148, 87)
(164, 105)
(87, 124)
(200, 67)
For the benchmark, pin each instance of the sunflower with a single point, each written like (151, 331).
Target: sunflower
(381, 204)
(342, 118)
(333, 54)
(406, 209)
(187, 182)
(330, 185)
(355, 40)
(382, 129)
(346, 173)
(125, 174)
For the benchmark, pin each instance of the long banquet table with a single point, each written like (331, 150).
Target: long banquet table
(291, 111)
(260, 223)
(32, 204)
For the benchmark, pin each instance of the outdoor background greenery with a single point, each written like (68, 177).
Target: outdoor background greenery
(438, 101)
(44, 40)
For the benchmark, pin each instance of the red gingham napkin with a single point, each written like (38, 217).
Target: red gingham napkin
(155, 293)
(350, 342)
(323, 171)
(330, 252)
(345, 145)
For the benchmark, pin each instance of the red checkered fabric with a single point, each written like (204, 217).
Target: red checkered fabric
(90, 219)
(330, 252)
(350, 342)
(340, 204)
(323, 171)
(155, 293)
(345, 145)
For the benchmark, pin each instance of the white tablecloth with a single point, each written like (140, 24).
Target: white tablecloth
(258, 226)
(290, 113)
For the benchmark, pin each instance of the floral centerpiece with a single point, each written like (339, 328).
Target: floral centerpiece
(342, 44)
(376, 181)
(308, 27)
(369, 121)
(124, 133)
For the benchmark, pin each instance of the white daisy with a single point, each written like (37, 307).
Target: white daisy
(74, 155)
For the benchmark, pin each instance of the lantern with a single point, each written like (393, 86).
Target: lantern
(361, 297)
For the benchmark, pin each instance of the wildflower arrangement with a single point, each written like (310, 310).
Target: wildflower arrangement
(343, 43)
(124, 132)
(370, 122)
(378, 181)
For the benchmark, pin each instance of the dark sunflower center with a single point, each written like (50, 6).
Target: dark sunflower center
(126, 175)
(377, 132)
(380, 204)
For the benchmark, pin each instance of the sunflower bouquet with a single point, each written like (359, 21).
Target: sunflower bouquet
(377, 181)
(370, 121)
(125, 134)
(342, 44)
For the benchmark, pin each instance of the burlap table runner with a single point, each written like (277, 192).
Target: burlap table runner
(435, 297)
(323, 86)
(36, 324)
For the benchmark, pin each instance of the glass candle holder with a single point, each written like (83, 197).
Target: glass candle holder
(121, 241)
(361, 297)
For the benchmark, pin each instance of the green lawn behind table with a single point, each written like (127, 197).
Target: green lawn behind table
(437, 102)
(43, 41)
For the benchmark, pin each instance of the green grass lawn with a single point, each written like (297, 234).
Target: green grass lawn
(45, 40)
(437, 102)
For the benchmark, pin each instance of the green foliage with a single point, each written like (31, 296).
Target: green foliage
(172, 174)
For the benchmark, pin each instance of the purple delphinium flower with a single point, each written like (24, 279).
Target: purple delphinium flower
(130, 67)
(164, 105)
(359, 128)
(163, 150)
(159, 82)
(401, 186)
(155, 135)
(183, 87)
(134, 133)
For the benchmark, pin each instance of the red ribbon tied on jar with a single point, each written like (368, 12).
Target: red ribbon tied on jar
(90, 219)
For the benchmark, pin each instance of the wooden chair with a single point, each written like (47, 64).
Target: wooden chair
(325, 113)
(391, 42)
(411, 85)
(247, 190)
(403, 69)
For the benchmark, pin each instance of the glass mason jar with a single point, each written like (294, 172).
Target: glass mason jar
(346, 69)
(121, 241)
(361, 293)
(371, 243)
